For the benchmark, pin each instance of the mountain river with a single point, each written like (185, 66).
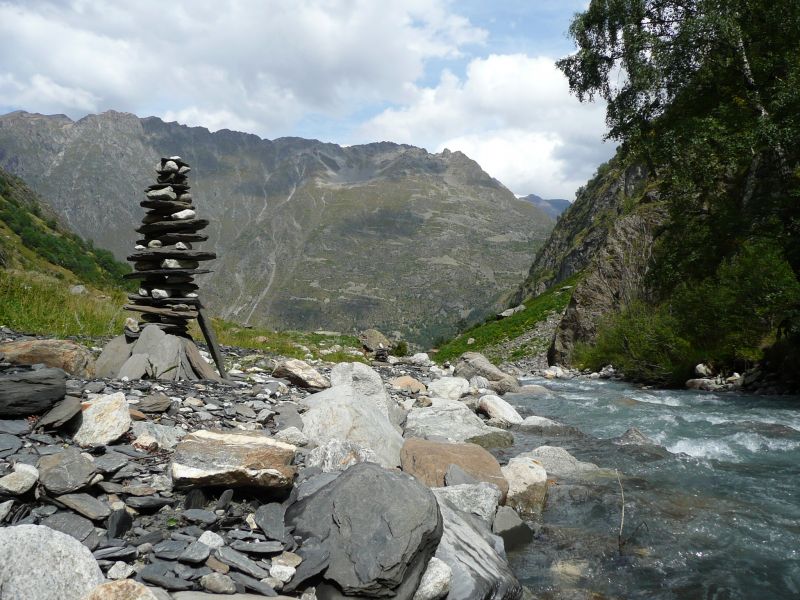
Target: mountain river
(711, 512)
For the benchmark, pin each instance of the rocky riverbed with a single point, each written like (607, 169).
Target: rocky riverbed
(293, 478)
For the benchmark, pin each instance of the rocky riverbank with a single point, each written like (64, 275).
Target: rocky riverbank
(257, 485)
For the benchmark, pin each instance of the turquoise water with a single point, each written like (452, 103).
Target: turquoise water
(716, 503)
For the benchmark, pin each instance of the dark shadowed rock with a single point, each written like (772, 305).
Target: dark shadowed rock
(376, 540)
(60, 413)
(26, 393)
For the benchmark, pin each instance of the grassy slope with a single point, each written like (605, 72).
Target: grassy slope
(494, 332)
(40, 260)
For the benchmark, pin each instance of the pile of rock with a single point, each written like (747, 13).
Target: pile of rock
(257, 486)
(164, 259)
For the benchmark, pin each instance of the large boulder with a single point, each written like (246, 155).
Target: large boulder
(41, 563)
(527, 485)
(475, 364)
(430, 461)
(499, 411)
(367, 383)
(103, 420)
(453, 421)
(24, 392)
(233, 458)
(449, 388)
(301, 374)
(113, 356)
(373, 340)
(379, 527)
(476, 557)
(557, 461)
(60, 354)
(338, 455)
(343, 413)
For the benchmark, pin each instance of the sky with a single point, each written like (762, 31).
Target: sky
(470, 75)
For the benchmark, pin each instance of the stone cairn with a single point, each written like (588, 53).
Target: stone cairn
(159, 345)
(164, 259)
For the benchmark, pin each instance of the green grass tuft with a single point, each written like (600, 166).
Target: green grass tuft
(494, 332)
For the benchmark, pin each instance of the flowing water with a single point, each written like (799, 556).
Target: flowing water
(715, 517)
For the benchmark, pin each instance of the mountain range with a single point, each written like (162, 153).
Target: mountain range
(308, 234)
(553, 207)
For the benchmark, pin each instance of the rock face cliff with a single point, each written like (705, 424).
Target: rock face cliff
(607, 235)
(309, 234)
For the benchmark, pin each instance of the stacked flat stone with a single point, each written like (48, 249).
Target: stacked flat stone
(164, 259)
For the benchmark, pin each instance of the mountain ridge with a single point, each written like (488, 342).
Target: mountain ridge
(309, 234)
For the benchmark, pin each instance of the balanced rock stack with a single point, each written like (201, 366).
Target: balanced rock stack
(159, 345)
(164, 259)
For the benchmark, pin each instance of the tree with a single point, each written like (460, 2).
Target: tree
(707, 93)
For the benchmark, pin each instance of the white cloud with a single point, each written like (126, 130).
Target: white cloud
(269, 63)
(514, 115)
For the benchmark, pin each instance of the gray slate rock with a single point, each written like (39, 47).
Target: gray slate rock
(14, 426)
(114, 355)
(376, 540)
(509, 526)
(66, 472)
(476, 558)
(9, 444)
(28, 393)
(89, 506)
(41, 563)
(154, 403)
(239, 561)
(60, 413)
(270, 518)
(119, 522)
(70, 524)
(196, 552)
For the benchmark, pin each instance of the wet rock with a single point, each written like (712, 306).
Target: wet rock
(449, 388)
(66, 472)
(103, 420)
(633, 437)
(39, 562)
(125, 589)
(474, 364)
(341, 413)
(499, 410)
(59, 354)
(61, 413)
(435, 582)
(376, 541)
(527, 485)
(86, 505)
(476, 559)
(301, 374)
(557, 461)
(338, 455)
(479, 499)
(24, 393)
(22, 479)
(430, 461)
(455, 422)
(232, 458)
(509, 526)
